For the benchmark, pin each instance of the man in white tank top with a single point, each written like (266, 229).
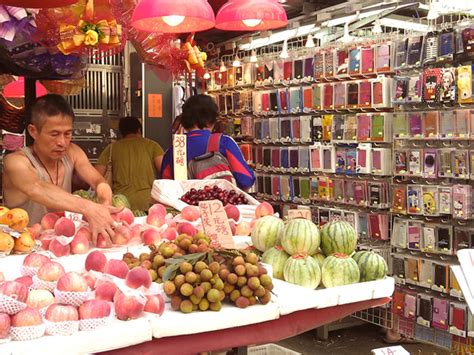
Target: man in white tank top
(38, 178)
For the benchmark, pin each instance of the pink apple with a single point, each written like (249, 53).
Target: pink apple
(151, 236)
(155, 304)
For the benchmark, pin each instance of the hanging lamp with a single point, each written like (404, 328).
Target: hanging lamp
(16, 89)
(38, 4)
(173, 16)
(251, 15)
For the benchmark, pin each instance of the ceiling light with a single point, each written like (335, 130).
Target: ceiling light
(310, 42)
(252, 22)
(206, 76)
(377, 27)
(236, 62)
(284, 52)
(253, 57)
(222, 68)
(173, 20)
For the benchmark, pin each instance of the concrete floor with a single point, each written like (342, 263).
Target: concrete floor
(359, 340)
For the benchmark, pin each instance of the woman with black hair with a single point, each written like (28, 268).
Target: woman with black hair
(198, 120)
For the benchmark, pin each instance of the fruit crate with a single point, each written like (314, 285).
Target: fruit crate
(270, 349)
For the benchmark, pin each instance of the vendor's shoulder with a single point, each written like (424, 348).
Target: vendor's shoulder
(16, 157)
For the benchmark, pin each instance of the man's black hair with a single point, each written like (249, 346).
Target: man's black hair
(48, 106)
(128, 125)
(200, 111)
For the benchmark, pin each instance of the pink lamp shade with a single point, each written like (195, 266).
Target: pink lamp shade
(16, 89)
(251, 15)
(173, 16)
(38, 4)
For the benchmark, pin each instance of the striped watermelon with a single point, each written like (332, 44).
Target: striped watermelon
(339, 270)
(301, 269)
(372, 266)
(266, 232)
(319, 258)
(300, 236)
(338, 237)
(276, 257)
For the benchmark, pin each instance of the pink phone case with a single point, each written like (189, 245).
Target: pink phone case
(440, 313)
(410, 306)
(363, 127)
(365, 94)
(367, 61)
(328, 96)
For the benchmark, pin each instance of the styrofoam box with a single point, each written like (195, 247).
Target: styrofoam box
(270, 349)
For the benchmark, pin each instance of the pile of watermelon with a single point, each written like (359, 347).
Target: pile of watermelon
(302, 254)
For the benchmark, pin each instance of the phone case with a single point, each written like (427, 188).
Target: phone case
(287, 70)
(339, 95)
(278, 71)
(295, 185)
(338, 127)
(415, 162)
(458, 314)
(441, 277)
(349, 192)
(308, 69)
(464, 84)
(424, 310)
(444, 239)
(430, 201)
(360, 193)
(399, 233)
(274, 130)
(363, 127)
(400, 125)
(454, 288)
(317, 130)
(350, 128)
(365, 94)
(323, 216)
(268, 71)
(285, 158)
(267, 182)
(412, 272)
(327, 127)
(446, 46)
(430, 48)
(318, 66)
(400, 92)
(367, 60)
(430, 163)
(462, 201)
(298, 70)
(351, 161)
(430, 124)
(462, 239)
(342, 62)
(400, 162)
(338, 186)
(316, 99)
(462, 119)
(415, 51)
(375, 230)
(431, 85)
(305, 127)
(377, 127)
(414, 89)
(323, 188)
(414, 199)
(398, 302)
(294, 158)
(315, 154)
(440, 313)
(401, 53)
(415, 124)
(305, 189)
(275, 187)
(328, 154)
(415, 230)
(409, 311)
(329, 64)
(352, 95)
(296, 103)
(265, 130)
(355, 61)
(399, 199)
(307, 99)
(379, 95)
(447, 92)
(398, 268)
(295, 129)
(283, 101)
(363, 225)
(445, 200)
(383, 62)
(426, 273)
(328, 96)
(460, 160)
(304, 164)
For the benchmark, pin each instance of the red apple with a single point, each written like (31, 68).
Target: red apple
(151, 236)
(155, 220)
(64, 226)
(127, 307)
(155, 304)
(190, 213)
(5, 325)
(96, 261)
(51, 271)
(157, 209)
(61, 313)
(116, 268)
(35, 230)
(138, 277)
(80, 244)
(122, 235)
(264, 209)
(58, 249)
(186, 228)
(49, 220)
(15, 290)
(28, 317)
(94, 309)
(90, 278)
(232, 212)
(72, 282)
(39, 299)
(105, 291)
(126, 215)
(25, 280)
(35, 260)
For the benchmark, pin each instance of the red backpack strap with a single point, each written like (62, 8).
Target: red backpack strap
(214, 142)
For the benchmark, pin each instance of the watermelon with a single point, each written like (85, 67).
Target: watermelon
(319, 258)
(266, 232)
(372, 266)
(338, 237)
(276, 257)
(300, 236)
(339, 270)
(83, 193)
(120, 200)
(301, 269)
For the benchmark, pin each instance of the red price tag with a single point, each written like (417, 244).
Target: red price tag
(303, 213)
(215, 223)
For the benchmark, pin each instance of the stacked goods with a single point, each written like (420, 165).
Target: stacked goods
(300, 236)
(266, 232)
(339, 270)
(338, 237)
(193, 196)
(301, 269)
(193, 283)
(372, 266)
(16, 237)
(276, 257)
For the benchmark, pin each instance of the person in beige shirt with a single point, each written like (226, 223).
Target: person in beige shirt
(38, 178)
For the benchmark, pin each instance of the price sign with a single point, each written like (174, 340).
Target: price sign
(180, 161)
(299, 213)
(73, 216)
(215, 223)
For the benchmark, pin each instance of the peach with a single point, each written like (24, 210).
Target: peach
(39, 299)
(105, 291)
(25, 280)
(170, 233)
(35, 230)
(36, 260)
(51, 271)
(243, 229)
(233, 228)
(45, 239)
(15, 290)
(80, 244)
(72, 282)
(49, 220)
(96, 261)
(126, 215)
(122, 235)
(5, 325)
(101, 242)
(24, 243)
(157, 209)
(127, 307)
(155, 220)
(94, 309)
(138, 277)
(170, 222)
(135, 232)
(187, 228)
(64, 226)
(264, 209)
(84, 231)
(151, 236)
(155, 304)
(27, 318)
(58, 249)
(90, 278)
(190, 213)
(16, 218)
(116, 268)
(61, 313)
(232, 212)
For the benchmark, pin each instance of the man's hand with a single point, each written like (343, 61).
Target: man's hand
(101, 221)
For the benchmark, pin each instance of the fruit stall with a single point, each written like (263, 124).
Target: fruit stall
(167, 278)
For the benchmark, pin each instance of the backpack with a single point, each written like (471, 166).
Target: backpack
(212, 164)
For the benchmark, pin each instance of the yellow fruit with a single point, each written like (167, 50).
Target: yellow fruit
(6, 242)
(3, 212)
(24, 243)
(17, 219)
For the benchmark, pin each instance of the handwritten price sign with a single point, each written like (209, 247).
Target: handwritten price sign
(180, 161)
(215, 223)
(303, 213)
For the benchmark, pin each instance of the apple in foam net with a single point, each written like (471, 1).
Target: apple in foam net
(80, 244)
(25, 280)
(61, 313)
(96, 261)
(72, 282)
(59, 249)
(51, 271)
(5, 325)
(94, 309)
(39, 299)
(105, 291)
(27, 318)
(15, 290)
(35, 260)
(90, 278)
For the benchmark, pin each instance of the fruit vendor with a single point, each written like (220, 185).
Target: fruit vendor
(199, 117)
(38, 178)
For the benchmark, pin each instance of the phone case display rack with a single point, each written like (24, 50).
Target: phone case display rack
(380, 135)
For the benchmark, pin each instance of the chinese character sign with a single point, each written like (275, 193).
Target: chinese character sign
(299, 213)
(215, 223)
(180, 162)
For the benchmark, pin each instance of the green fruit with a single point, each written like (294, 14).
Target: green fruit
(303, 270)
(213, 295)
(206, 275)
(120, 200)
(300, 236)
(276, 257)
(186, 289)
(199, 266)
(319, 259)
(216, 306)
(204, 304)
(338, 237)
(266, 233)
(153, 274)
(372, 266)
(185, 267)
(186, 306)
(339, 270)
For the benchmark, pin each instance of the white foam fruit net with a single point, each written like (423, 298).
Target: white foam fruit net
(28, 270)
(27, 333)
(39, 284)
(10, 305)
(72, 298)
(43, 311)
(93, 323)
(62, 328)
